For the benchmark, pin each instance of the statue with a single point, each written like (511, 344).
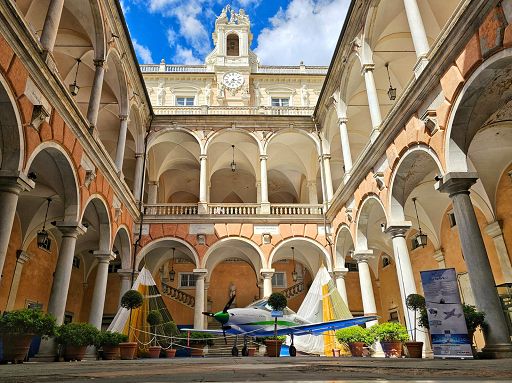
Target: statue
(257, 94)
(207, 93)
(160, 94)
(243, 18)
(220, 91)
(232, 292)
(304, 95)
(223, 18)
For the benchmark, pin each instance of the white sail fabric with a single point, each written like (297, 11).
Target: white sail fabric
(323, 297)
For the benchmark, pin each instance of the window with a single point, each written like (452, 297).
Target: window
(76, 262)
(233, 44)
(351, 266)
(68, 317)
(451, 219)
(185, 101)
(188, 280)
(114, 266)
(386, 261)
(393, 316)
(279, 279)
(280, 101)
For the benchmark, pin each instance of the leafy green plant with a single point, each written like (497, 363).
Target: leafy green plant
(196, 338)
(390, 332)
(77, 334)
(170, 331)
(132, 299)
(415, 302)
(28, 321)
(107, 338)
(282, 338)
(277, 301)
(154, 318)
(355, 334)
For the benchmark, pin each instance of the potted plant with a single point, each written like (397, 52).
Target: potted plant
(277, 302)
(415, 303)
(170, 331)
(356, 337)
(18, 328)
(197, 341)
(75, 337)
(390, 335)
(132, 299)
(273, 345)
(154, 318)
(109, 341)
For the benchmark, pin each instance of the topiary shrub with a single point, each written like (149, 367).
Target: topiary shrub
(132, 299)
(170, 331)
(154, 318)
(390, 332)
(355, 334)
(77, 334)
(277, 301)
(415, 302)
(27, 322)
(107, 338)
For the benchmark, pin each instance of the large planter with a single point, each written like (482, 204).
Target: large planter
(16, 347)
(74, 352)
(170, 353)
(111, 352)
(154, 352)
(392, 349)
(414, 349)
(273, 347)
(127, 350)
(336, 352)
(356, 348)
(251, 351)
(197, 349)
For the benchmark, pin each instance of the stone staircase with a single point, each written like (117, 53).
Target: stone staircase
(221, 349)
(294, 290)
(178, 295)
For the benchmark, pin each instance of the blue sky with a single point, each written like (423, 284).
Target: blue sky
(285, 31)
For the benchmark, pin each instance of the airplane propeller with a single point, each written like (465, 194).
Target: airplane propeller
(224, 310)
(228, 305)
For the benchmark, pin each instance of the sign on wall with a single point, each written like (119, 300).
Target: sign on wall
(445, 315)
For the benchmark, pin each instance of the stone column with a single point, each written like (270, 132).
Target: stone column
(10, 189)
(21, 258)
(312, 192)
(365, 281)
(203, 185)
(95, 97)
(267, 275)
(100, 288)
(126, 276)
(121, 142)
(265, 206)
(258, 191)
(373, 100)
(419, 37)
(339, 275)
(205, 306)
(326, 158)
(199, 305)
(139, 164)
(439, 257)
(59, 293)
(51, 25)
(495, 232)
(152, 192)
(482, 282)
(404, 272)
(345, 146)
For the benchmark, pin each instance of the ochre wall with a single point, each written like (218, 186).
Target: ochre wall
(10, 260)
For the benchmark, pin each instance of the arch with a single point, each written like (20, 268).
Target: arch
(122, 242)
(162, 242)
(100, 41)
(366, 222)
(233, 44)
(310, 136)
(343, 244)
(103, 222)
(220, 132)
(12, 147)
(156, 137)
(226, 240)
(273, 258)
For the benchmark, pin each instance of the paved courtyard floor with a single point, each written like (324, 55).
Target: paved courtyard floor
(261, 369)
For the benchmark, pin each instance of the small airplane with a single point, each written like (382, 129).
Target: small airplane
(256, 320)
(450, 314)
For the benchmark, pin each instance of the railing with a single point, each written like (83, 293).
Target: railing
(295, 209)
(235, 110)
(294, 290)
(165, 68)
(270, 69)
(267, 69)
(172, 209)
(233, 209)
(178, 295)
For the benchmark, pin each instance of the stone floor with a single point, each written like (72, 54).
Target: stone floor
(261, 369)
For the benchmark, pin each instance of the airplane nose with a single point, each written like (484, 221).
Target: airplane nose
(222, 317)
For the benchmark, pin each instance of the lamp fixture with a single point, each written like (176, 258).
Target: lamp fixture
(391, 90)
(172, 273)
(420, 239)
(42, 235)
(233, 163)
(73, 88)
(295, 276)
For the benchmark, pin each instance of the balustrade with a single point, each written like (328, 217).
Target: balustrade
(178, 295)
(294, 290)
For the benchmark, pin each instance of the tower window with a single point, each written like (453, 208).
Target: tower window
(277, 101)
(233, 46)
(185, 101)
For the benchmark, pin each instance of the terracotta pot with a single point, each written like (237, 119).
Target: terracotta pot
(16, 347)
(170, 353)
(197, 349)
(392, 349)
(251, 351)
(356, 348)
(74, 352)
(127, 350)
(414, 349)
(273, 347)
(154, 352)
(336, 352)
(111, 352)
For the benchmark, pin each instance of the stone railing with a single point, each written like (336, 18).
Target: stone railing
(274, 69)
(172, 209)
(165, 68)
(295, 209)
(234, 110)
(267, 69)
(294, 290)
(178, 295)
(233, 209)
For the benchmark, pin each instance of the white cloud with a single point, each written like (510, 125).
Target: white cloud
(124, 7)
(172, 37)
(185, 56)
(143, 53)
(307, 30)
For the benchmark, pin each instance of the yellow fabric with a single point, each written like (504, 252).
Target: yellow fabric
(328, 315)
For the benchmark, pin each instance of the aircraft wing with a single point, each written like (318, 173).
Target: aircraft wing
(321, 327)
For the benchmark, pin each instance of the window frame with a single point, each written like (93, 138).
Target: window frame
(186, 99)
(285, 282)
(280, 99)
(189, 275)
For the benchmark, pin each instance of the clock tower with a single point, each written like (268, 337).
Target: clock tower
(231, 60)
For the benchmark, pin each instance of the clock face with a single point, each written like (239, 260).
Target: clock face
(233, 80)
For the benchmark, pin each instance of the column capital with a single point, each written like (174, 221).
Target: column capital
(203, 157)
(138, 155)
(363, 256)
(200, 273)
(123, 117)
(494, 229)
(153, 183)
(127, 273)
(439, 255)
(456, 183)
(342, 120)
(367, 68)
(104, 256)
(70, 228)
(98, 62)
(15, 182)
(340, 272)
(398, 229)
(267, 273)
(263, 157)
(23, 256)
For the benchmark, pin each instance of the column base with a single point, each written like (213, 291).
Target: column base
(496, 351)
(265, 208)
(47, 351)
(202, 208)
